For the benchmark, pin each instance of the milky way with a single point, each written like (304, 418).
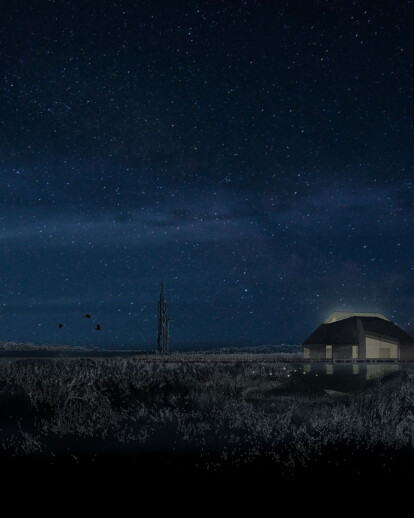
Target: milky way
(257, 156)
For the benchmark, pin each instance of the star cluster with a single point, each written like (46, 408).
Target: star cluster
(255, 155)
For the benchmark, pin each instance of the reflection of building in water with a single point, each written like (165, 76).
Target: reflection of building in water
(358, 336)
(366, 370)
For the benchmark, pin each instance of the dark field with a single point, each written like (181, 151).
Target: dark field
(120, 423)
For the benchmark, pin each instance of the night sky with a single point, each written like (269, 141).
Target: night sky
(255, 155)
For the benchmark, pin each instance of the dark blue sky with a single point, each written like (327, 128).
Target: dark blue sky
(255, 155)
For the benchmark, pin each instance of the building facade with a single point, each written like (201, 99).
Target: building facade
(358, 336)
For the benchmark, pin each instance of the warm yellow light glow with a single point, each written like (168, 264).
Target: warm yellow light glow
(341, 315)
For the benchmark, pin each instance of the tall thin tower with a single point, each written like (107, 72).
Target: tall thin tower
(163, 324)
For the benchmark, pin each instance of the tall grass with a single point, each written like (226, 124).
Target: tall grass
(238, 412)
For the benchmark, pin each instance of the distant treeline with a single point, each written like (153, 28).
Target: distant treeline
(50, 350)
(258, 349)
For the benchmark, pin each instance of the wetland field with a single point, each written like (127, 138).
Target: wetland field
(124, 422)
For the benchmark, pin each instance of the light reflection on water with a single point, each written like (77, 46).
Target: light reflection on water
(364, 370)
(344, 377)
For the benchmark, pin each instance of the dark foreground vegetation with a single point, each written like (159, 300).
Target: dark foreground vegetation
(120, 423)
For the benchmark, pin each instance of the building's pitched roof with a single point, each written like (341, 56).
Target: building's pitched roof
(341, 332)
(345, 331)
(341, 315)
(386, 328)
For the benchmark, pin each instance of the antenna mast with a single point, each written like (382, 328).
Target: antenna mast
(163, 324)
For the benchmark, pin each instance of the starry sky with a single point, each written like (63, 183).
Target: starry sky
(255, 155)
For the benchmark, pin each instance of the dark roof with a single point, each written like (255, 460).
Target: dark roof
(386, 328)
(346, 331)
